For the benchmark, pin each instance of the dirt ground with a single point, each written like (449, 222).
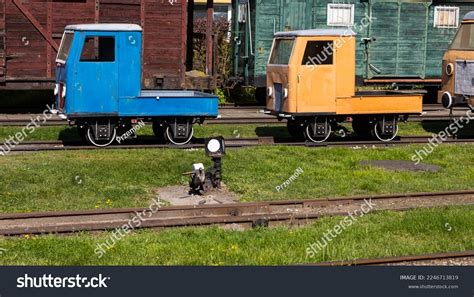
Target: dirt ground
(179, 195)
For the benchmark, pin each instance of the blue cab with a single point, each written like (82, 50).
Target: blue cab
(98, 87)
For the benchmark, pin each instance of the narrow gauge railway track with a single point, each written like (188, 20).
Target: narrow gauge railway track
(294, 212)
(430, 258)
(58, 145)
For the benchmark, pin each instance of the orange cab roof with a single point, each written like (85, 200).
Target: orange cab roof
(317, 32)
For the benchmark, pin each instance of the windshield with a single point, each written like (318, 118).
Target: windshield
(281, 52)
(65, 47)
(464, 39)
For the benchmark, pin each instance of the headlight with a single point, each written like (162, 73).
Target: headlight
(447, 100)
(269, 91)
(285, 93)
(449, 69)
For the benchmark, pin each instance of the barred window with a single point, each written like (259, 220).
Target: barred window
(446, 17)
(340, 14)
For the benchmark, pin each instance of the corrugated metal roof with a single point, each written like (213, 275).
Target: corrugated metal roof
(104, 27)
(317, 32)
(469, 16)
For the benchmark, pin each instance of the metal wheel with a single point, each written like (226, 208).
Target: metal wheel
(100, 143)
(178, 141)
(384, 137)
(317, 138)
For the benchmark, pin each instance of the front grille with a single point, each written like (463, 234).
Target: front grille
(464, 78)
(278, 96)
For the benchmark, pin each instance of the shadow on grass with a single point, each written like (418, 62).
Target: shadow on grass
(69, 134)
(278, 132)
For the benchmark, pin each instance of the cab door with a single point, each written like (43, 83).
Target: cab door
(316, 77)
(95, 74)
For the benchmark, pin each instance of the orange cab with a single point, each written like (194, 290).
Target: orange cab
(458, 67)
(311, 83)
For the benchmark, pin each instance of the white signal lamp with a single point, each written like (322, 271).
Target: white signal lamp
(215, 147)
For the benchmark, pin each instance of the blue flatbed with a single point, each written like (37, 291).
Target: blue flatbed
(157, 103)
(170, 103)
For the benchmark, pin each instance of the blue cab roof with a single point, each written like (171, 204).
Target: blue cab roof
(104, 27)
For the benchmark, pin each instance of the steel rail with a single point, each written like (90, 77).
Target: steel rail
(399, 259)
(58, 145)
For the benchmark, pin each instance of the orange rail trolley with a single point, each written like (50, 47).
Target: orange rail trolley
(311, 83)
(458, 67)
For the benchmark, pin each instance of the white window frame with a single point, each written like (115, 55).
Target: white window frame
(332, 22)
(436, 23)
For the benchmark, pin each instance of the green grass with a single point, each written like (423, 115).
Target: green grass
(127, 178)
(229, 131)
(374, 235)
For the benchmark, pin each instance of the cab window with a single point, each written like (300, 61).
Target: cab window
(65, 46)
(318, 53)
(464, 39)
(281, 52)
(98, 49)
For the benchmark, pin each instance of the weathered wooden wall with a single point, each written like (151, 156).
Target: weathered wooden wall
(2, 41)
(33, 28)
(407, 45)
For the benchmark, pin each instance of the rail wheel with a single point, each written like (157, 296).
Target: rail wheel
(101, 134)
(362, 127)
(318, 131)
(295, 129)
(177, 140)
(385, 131)
(159, 131)
(180, 132)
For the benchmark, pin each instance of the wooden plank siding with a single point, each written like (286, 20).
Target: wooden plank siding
(268, 16)
(2, 41)
(31, 58)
